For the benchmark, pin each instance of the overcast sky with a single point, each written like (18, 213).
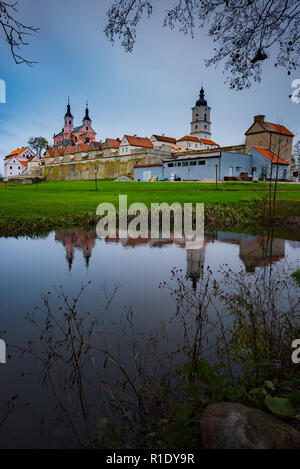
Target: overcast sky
(148, 91)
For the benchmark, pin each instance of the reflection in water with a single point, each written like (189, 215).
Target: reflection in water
(137, 266)
(254, 251)
(75, 238)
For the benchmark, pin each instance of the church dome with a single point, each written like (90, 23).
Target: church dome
(201, 101)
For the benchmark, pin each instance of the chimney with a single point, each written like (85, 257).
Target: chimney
(259, 118)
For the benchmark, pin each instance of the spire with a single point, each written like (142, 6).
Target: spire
(68, 113)
(87, 117)
(201, 101)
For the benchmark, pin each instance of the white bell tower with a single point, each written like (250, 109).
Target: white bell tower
(201, 125)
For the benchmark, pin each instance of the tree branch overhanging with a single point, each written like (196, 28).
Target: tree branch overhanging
(246, 33)
(14, 31)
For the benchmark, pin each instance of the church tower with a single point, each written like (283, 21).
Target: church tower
(68, 119)
(200, 125)
(86, 120)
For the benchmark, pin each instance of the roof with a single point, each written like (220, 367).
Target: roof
(95, 146)
(270, 127)
(17, 152)
(70, 150)
(50, 152)
(147, 165)
(139, 141)
(208, 142)
(162, 138)
(271, 156)
(276, 128)
(82, 147)
(60, 151)
(189, 138)
(113, 142)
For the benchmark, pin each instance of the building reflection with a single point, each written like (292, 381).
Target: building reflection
(75, 238)
(254, 251)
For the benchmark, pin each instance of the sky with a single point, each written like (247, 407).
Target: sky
(150, 91)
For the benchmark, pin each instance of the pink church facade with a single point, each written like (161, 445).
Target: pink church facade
(70, 135)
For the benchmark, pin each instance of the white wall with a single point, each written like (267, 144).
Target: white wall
(13, 168)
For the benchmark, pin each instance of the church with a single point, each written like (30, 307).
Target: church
(71, 136)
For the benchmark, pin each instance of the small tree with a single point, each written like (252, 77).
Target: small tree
(38, 144)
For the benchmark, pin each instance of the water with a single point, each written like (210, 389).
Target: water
(72, 257)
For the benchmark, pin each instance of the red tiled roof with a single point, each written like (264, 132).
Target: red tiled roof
(271, 156)
(70, 150)
(139, 141)
(208, 142)
(189, 138)
(147, 165)
(17, 152)
(95, 146)
(278, 129)
(113, 142)
(25, 163)
(162, 138)
(82, 147)
(60, 151)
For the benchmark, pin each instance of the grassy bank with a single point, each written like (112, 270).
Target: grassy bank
(28, 209)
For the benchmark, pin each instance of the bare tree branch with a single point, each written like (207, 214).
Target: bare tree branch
(14, 31)
(246, 33)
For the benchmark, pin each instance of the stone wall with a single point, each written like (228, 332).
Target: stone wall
(105, 168)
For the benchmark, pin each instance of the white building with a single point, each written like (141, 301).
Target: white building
(162, 140)
(130, 143)
(17, 161)
(194, 143)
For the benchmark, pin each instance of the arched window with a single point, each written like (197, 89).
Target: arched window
(205, 117)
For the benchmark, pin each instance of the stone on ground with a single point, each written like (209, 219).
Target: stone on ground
(235, 426)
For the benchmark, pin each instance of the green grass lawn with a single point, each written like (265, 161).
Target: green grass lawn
(78, 197)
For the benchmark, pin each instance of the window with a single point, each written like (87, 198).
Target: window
(205, 117)
(189, 144)
(185, 163)
(193, 163)
(196, 145)
(196, 126)
(201, 162)
(170, 165)
(178, 164)
(19, 167)
(205, 126)
(10, 167)
(238, 169)
(87, 128)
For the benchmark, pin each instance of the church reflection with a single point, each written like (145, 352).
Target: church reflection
(75, 238)
(254, 251)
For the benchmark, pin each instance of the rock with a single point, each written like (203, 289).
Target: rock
(236, 426)
(123, 179)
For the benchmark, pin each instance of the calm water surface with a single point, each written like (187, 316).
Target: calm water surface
(32, 267)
